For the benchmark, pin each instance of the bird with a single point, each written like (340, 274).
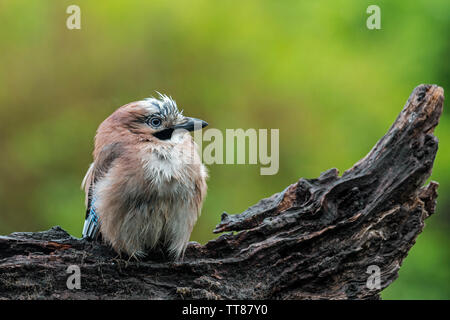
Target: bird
(146, 185)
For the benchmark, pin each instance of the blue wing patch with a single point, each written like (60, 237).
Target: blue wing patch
(91, 224)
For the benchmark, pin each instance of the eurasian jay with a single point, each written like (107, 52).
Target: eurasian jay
(147, 183)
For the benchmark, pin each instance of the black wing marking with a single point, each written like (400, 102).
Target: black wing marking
(101, 166)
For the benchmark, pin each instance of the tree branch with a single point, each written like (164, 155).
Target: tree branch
(314, 240)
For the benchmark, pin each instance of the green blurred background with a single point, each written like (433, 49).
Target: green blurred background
(310, 68)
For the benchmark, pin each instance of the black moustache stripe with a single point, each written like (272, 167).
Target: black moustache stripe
(164, 134)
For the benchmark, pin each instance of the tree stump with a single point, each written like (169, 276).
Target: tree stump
(317, 239)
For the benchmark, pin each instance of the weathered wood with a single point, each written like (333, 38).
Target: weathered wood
(314, 240)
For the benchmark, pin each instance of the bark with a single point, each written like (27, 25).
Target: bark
(317, 239)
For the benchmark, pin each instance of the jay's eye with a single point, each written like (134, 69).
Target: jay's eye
(155, 122)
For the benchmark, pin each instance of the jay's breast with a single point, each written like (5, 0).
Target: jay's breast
(173, 175)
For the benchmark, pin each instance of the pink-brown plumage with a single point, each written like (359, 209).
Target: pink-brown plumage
(147, 183)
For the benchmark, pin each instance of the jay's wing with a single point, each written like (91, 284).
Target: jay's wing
(97, 170)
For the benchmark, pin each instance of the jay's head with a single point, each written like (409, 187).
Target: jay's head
(152, 119)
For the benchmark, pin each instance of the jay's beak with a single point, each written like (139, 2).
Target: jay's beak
(191, 124)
